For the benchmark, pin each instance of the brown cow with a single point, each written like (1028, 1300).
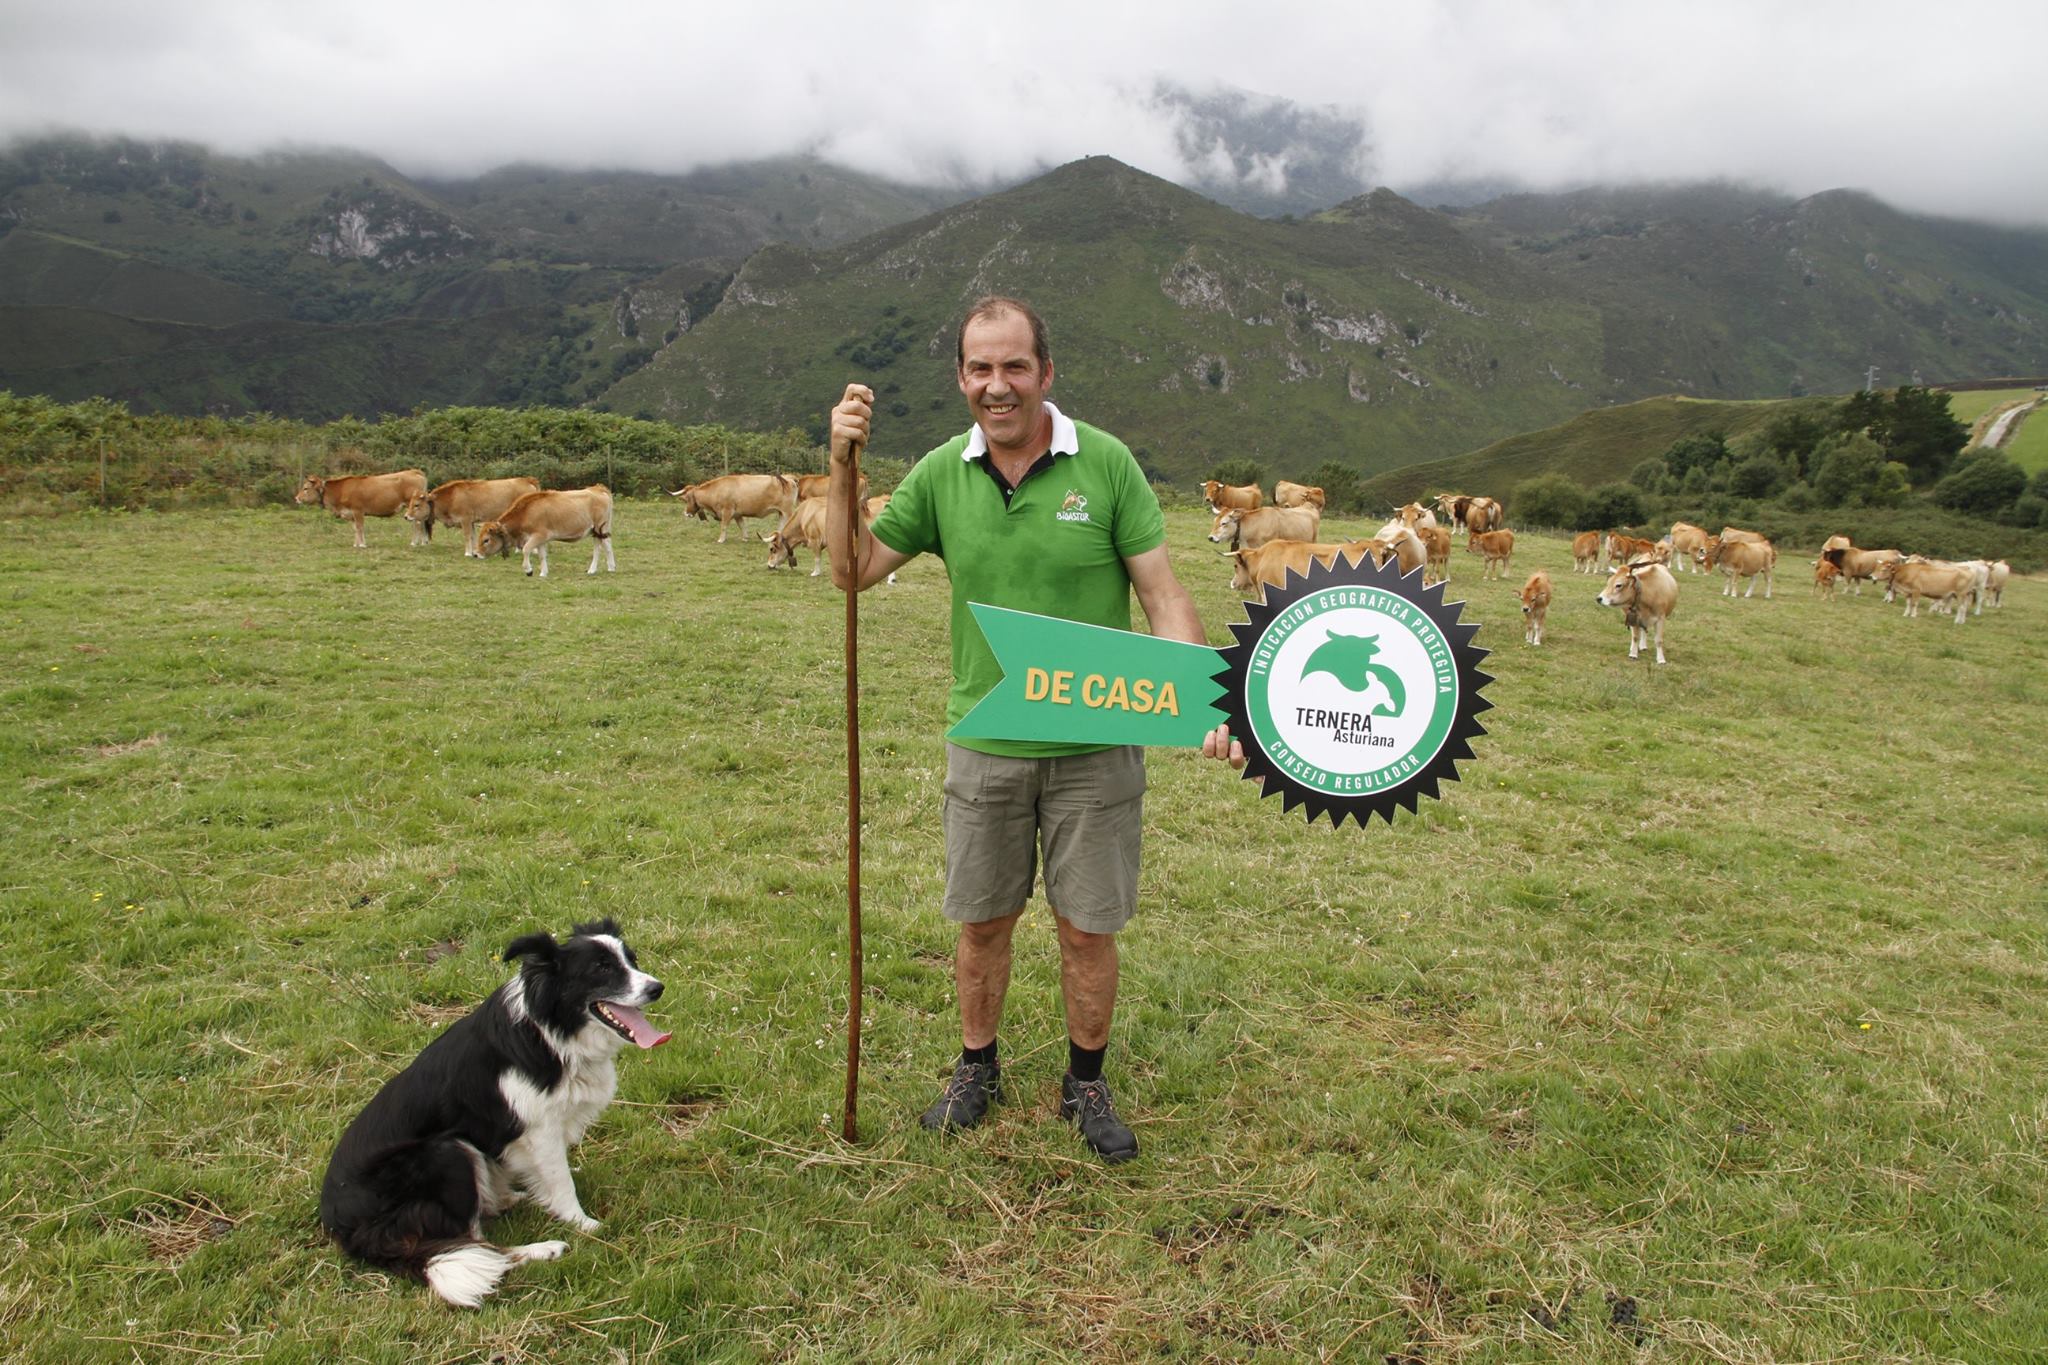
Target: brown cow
(1647, 594)
(1586, 552)
(1436, 542)
(1856, 565)
(1497, 546)
(1935, 578)
(467, 503)
(1287, 494)
(1473, 513)
(1740, 559)
(805, 529)
(735, 497)
(1247, 530)
(1686, 539)
(810, 486)
(1223, 496)
(1621, 549)
(554, 514)
(1269, 564)
(1535, 606)
(356, 496)
(1825, 577)
(1732, 535)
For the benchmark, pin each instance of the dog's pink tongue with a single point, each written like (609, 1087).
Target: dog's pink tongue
(636, 1024)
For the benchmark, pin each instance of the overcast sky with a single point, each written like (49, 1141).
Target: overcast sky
(1932, 107)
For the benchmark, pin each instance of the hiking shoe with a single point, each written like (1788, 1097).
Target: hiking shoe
(973, 1087)
(1089, 1104)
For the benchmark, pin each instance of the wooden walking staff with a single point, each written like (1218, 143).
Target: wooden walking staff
(853, 529)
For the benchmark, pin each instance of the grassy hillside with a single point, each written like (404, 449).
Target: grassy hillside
(1585, 1062)
(1719, 291)
(1600, 445)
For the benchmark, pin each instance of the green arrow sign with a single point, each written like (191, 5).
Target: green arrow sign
(1063, 680)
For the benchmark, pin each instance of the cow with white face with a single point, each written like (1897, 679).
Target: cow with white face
(1647, 594)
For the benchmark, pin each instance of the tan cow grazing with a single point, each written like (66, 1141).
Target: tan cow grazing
(805, 529)
(1535, 606)
(735, 497)
(1647, 595)
(356, 496)
(1740, 559)
(1287, 494)
(1268, 565)
(1436, 544)
(1224, 496)
(553, 514)
(1586, 552)
(1410, 550)
(1994, 583)
(1686, 540)
(467, 503)
(1856, 566)
(1247, 530)
(1497, 546)
(1415, 516)
(1825, 577)
(1935, 578)
(1623, 549)
(1731, 535)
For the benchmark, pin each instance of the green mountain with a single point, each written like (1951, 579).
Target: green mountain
(1377, 333)
(323, 283)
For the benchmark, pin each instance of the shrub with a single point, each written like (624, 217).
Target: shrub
(1652, 476)
(1339, 482)
(1549, 500)
(1844, 467)
(1614, 504)
(1892, 486)
(1983, 484)
(1759, 476)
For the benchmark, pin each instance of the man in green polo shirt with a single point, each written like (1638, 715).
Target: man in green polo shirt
(1033, 511)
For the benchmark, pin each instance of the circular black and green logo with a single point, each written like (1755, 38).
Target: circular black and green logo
(1355, 689)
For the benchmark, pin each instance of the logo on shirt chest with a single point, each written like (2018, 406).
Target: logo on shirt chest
(1074, 507)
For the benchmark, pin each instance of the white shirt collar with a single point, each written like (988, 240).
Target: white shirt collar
(1065, 439)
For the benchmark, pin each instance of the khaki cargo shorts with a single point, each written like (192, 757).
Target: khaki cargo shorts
(1086, 812)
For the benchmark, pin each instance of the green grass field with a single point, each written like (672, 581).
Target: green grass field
(1706, 1019)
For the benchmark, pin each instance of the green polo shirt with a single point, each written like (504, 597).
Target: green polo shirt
(1057, 548)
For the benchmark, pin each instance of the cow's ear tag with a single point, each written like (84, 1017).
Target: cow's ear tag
(1354, 689)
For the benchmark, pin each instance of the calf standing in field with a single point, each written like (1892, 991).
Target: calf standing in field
(1497, 546)
(1647, 594)
(1535, 606)
(356, 496)
(1586, 552)
(556, 514)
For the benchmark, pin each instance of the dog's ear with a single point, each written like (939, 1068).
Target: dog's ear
(607, 925)
(540, 946)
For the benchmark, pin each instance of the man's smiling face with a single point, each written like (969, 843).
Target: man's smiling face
(1004, 383)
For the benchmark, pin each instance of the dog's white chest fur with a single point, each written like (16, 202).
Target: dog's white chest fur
(554, 1121)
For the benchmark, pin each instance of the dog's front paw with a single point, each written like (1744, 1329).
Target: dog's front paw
(546, 1251)
(583, 1222)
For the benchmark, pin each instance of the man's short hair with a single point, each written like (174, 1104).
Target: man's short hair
(991, 305)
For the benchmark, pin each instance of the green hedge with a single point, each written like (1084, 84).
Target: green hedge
(57, 457)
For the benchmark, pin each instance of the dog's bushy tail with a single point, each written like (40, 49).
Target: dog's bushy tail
(466, 1275)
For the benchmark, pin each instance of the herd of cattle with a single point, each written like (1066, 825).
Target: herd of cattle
(1266, 541)
(1269, 542)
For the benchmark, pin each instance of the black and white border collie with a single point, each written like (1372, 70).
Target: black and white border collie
(487, 1113)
